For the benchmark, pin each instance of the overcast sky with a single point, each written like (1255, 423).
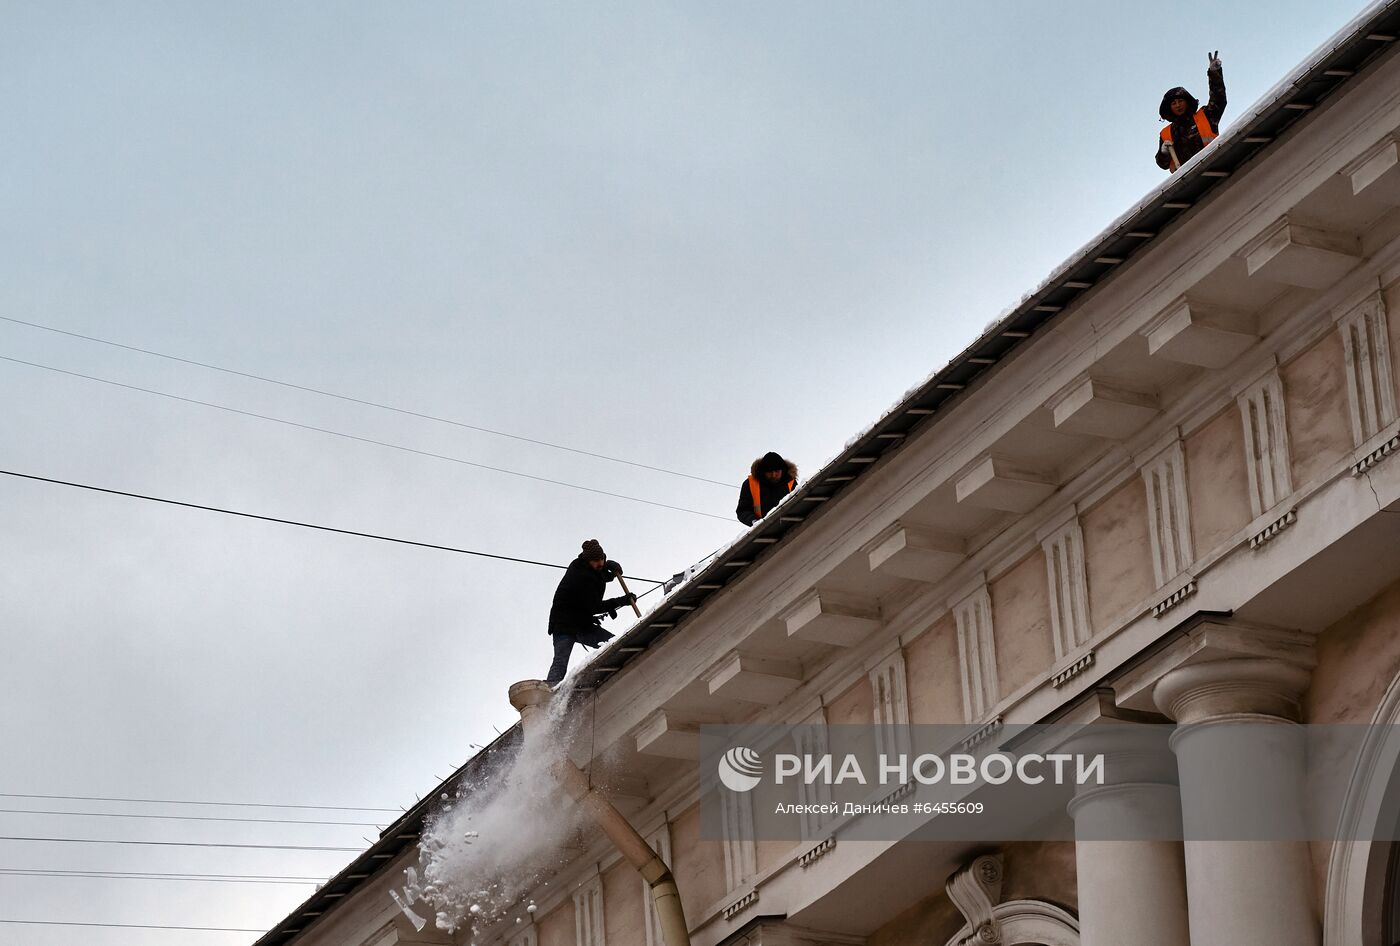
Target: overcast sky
(681, 235)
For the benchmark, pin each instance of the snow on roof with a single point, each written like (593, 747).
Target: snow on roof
(1327, 69)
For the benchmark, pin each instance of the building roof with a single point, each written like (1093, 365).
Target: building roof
(1320, 76)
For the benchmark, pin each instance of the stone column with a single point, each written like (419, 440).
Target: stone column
(1127, 848)
(1240, 759)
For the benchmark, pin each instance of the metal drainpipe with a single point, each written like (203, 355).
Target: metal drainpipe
(531, 698)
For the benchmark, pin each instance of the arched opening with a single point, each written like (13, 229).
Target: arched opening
(1029, 923)
(1388, 906)
(1363, 876)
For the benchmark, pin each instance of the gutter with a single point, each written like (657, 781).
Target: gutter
(1356, 46)
(531, 698)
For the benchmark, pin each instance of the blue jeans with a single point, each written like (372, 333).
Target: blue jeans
(563, 646)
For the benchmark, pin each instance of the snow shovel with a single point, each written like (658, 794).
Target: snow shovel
(623, 582)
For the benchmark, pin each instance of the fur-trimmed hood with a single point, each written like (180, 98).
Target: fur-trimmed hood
(768, 461)
(1165, 109)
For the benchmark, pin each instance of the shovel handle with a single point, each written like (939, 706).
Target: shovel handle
(623, 582)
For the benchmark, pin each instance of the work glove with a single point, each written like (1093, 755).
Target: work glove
(622, 601)
(613, 568)
(1213, 61)
(1165, 148)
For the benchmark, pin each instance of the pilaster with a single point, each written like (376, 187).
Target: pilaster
(1069, 587)
(977, 656)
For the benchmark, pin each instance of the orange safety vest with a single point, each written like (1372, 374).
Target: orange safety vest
(1202, 125)
(755, 493)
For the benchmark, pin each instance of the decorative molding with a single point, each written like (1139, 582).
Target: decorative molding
(740, 850)
(1357, 868)
(915, 552)
(588, 913)
(1061, 677)
(1386, 448)
(975, 890)
(1069, 588)
(749, 898)
(1266, 443)
(1096, 407)
(1226, 687)
(810, 740)
(737, 830)
(902, 790)
(829, 617)
(982, 734)
(1192, 333)
(994, 482)
(1253, 370)
(1052, 524)
(1030, 923)
(751, 678)
(660, 842)
(1168, 512)
(671, 735)
(810, 856)
(1370, 383)
(1376, 173)
(1174, 599)
(977, 655)
(1299, 255)
(889, 687)
(1273, 528)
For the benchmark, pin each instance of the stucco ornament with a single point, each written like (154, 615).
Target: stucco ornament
(976, 892)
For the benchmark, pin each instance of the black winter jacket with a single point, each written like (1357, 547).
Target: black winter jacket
(769, 493)
(1186, 138)
(579, 600)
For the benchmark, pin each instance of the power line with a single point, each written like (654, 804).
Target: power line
(217, 804)
(355, 437)
(356, 400)
(123, 814)
(135, 926)
(290, 522)
(259, 847)
(178, 878)
(300, 878)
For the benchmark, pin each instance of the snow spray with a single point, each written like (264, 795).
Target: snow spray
(499, 836)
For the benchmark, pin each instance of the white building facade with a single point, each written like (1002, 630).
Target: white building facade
(1163, 489)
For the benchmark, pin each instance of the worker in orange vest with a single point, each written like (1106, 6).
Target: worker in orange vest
(1191, 128)
(770, 479)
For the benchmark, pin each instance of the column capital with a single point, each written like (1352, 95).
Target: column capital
(1223, 689)
(1135, 744)
(1207, 638)
(1133, 753)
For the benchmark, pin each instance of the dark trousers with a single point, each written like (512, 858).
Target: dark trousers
(563, 646)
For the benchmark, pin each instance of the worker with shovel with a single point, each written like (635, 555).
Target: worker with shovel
(1191, 128)
(574, 617)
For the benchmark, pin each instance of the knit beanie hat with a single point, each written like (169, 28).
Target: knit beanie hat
(592, 551)
(772, 462)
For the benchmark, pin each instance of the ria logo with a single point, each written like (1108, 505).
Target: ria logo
(740, 769)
